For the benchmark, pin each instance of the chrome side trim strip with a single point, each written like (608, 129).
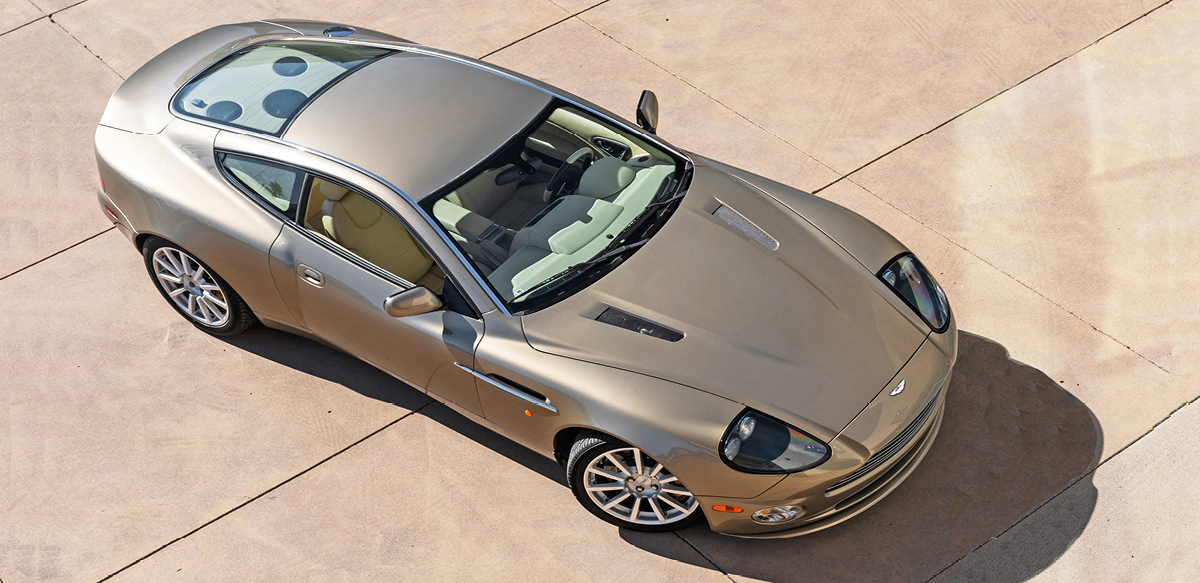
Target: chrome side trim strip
(510, 390)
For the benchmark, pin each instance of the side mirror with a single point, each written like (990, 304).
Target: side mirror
(647, 111)
(411, 302)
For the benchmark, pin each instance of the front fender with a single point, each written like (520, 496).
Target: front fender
(677, 425)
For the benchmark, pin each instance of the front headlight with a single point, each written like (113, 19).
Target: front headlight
(764, 445)
(913, 283)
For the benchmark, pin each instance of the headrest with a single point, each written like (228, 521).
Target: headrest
(332, 191)
(606, 177)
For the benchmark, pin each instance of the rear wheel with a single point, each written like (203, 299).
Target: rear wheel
(194, 290)
(622, 485)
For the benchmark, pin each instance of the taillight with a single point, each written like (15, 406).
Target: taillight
(101, 182)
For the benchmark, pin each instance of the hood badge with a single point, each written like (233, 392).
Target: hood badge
(899, 389)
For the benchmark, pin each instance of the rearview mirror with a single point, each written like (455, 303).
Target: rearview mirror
(411, 302)
(647, 111)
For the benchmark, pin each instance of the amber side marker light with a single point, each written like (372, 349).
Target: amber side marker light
(724, 508)
(528, 413)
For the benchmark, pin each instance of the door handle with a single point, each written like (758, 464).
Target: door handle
(310, 275)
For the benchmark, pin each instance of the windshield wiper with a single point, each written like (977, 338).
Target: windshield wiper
(639, 219)
(607, 255)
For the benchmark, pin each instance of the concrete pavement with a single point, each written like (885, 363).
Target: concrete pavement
(1040, 156)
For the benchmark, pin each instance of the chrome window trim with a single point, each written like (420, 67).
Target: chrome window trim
(245, 190)
(295, 225)
(402, 47)
(417, 208)
(510, 390)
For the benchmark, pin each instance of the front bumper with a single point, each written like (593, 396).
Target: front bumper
(871, 457)
(860, 501)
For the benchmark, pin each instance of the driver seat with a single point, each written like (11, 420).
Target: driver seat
(507, 205)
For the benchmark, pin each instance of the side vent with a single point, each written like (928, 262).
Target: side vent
(623, 319)
(744, 226)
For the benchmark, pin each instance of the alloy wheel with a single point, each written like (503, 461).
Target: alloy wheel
(193, 289)
(631, 486)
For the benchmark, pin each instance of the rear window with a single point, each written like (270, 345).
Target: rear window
(263, 87)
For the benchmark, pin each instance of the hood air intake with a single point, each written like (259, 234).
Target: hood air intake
(622, 319)
(744, 226)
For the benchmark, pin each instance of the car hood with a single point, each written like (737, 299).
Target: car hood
(802, 332)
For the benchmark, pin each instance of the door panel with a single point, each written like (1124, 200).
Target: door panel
(342, 302)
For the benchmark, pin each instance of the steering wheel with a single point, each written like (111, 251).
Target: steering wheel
(566, 173)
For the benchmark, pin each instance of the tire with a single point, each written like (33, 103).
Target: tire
(662, 504)
(198, 300)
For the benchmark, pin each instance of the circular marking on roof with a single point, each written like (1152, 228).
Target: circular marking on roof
(283, 103)
(224, 111)
(339, 31)
(290, 66)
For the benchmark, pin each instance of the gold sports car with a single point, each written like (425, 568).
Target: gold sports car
(688, 340)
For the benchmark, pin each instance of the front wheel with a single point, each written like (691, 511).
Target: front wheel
(624, 486)
(194, 290)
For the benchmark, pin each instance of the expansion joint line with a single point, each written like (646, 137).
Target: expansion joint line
(701, 553)
(50, 16)
(569, 16)
(998, 94)
(59, 252)
(707, 94)
(997, 268)
(268, 490)
(1091, 472)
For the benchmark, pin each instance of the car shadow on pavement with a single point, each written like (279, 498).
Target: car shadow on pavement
(325, 362)
(1012, 438)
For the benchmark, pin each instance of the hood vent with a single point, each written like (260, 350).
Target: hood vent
(744, 226)
(623, 319)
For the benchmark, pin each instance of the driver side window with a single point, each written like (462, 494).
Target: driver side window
(361, 226)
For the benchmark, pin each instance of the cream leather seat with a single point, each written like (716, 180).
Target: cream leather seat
(508, 205)
(606, 177)
(362, 227)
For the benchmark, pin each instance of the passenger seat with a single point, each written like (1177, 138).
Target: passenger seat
(363, 228)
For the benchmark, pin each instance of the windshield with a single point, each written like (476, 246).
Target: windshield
(557, 204)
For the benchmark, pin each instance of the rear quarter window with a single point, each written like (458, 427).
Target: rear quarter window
(276, 185)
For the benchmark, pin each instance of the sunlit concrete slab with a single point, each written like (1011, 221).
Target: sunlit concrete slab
(53, 93)
(432, 498)
(613, 77)
(124, 427)
(14, 13)
(849, 81)
(577, 6)
(1079, 183)
(52, 6)
(1145, 525)
(127, 33)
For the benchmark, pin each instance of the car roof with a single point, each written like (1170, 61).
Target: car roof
(418, 121)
